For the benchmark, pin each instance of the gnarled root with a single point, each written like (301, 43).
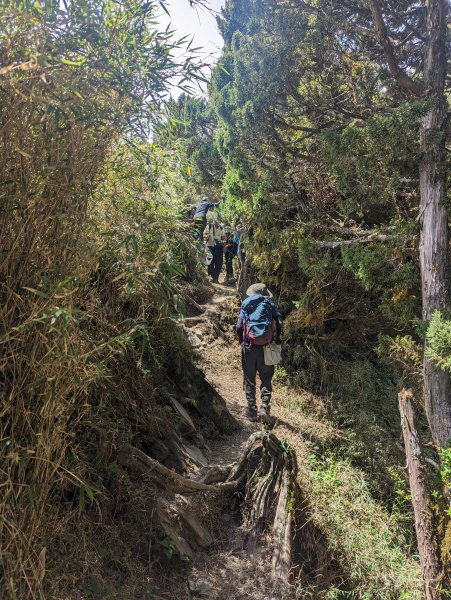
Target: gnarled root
(268, 472)
(266, 476)
(162, 476)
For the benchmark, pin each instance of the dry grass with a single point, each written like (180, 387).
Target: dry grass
(47, 363)
(78, 373)
(354, 547)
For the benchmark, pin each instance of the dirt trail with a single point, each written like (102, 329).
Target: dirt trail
(228, 569)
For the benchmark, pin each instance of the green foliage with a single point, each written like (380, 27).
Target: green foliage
(403, 353)
(438, 338)
(379, 267)
(191, 127)
(367, 264)
(316, 265)
(86, 497)
(129, 61)
(367, 160)
(445, 470)
(136, 216)
(362, 534)
(365, 407)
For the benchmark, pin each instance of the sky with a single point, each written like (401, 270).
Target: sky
(196, 22)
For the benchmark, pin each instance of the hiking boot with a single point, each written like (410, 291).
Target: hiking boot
(263, 413)
(251, 413)
(215, 280)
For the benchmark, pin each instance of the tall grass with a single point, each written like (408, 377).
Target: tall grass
(364, 538)
(82, 280)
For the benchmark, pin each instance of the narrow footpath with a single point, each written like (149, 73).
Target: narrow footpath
(231, 568)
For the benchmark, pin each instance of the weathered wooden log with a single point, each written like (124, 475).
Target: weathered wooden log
(267, 471)
(133, 457)
(282, 530)
(426, 538)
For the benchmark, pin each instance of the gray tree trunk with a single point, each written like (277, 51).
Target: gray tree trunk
(431, 568)
(434, 245)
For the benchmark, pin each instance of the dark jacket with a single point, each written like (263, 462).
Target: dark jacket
(203, 207)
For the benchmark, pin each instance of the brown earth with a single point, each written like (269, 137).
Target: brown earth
(232, 567)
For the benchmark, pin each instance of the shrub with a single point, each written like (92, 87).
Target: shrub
(438, 338)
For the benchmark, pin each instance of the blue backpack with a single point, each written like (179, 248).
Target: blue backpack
(257, 316)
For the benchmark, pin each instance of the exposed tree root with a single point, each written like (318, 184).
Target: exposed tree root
(265, 477)
(162, 476)
(269, 470)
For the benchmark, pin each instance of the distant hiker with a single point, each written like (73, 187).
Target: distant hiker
(200, 216)
(213, 235)
(238, 247)
(230, 250)
(242, 237)
(236, 236)
(255, 329)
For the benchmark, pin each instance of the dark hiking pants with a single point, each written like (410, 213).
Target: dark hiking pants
(199, 226)
(253, 362)
(214, 268)
(229, 263)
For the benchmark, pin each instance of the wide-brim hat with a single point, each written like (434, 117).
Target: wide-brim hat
(258, 288)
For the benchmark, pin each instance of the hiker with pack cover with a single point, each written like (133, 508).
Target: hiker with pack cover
(258, 327)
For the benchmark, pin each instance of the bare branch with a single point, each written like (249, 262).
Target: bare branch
(364, 240)
(402, 79)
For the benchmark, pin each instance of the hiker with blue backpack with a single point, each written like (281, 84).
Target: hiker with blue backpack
(259, 327)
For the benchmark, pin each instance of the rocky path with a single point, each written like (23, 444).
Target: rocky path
(227, 570)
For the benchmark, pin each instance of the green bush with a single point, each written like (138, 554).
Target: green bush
(362, 535)
(438, 338)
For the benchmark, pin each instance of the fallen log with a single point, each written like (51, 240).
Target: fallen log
(282, 531)
(424, 526)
